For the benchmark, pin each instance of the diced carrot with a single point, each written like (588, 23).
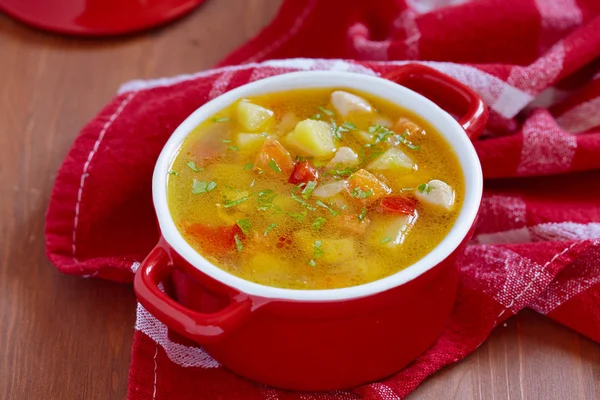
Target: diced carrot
(364, 187)
(397, 204)
(303, 172)
(273, 157)
(214, 240)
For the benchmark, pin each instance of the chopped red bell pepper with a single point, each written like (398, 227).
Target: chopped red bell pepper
(303, 172)
(215, 240)
(397, 204)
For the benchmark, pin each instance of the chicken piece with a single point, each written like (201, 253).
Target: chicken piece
(346, 103)
(436, 193)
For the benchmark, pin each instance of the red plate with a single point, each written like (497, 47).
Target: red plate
(96, 17)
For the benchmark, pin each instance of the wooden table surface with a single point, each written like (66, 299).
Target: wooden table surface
(68, 338)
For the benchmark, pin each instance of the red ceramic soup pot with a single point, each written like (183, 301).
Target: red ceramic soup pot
(320, 339)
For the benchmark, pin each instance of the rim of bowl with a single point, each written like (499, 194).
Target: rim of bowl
(447, 126)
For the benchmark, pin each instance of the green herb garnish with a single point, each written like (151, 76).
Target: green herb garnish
(318, 223)
(234, 148)
(350, 126)
(386, 239)
(174, 173)
(270, 228)
(244, 225)
(317, 249)
(219, 120)
(233, 203)
(326, 111)
(331, 210)
(299, 216)
(202, 187)
(362, 214)
(360, 194)
(226, 141)
(238, 243)
(273, 165)
(301, 201)
(193, 166)
(312, 263)
(308, 189)
(248, 166)
(424, 187)
(342, 172)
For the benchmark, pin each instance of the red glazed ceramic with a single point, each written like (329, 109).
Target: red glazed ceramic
(96, 17)
(320, 339)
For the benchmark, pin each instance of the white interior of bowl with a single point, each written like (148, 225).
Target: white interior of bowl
(380, 87)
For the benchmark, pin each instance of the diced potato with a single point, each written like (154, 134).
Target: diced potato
(252, 116)
(364, 186)
(333, 250)
(406, 125)
(344, 157)
(330, 189)
(249, 141)
(264, 266)
(363, 137)
(393, 159)
(345, 103)
(312, 139)
(368, 268)
(391, 231)
(436, 193)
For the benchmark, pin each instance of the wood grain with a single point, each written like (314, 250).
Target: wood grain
(69, 338)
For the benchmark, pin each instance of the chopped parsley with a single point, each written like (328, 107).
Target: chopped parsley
(233, 203)
(234, 148)
(312, 263)
(350, 126)
(326, 111)
(270, 228)
(174, 173)
(248, 166)
(219, 120)
(301, 201)
(193, 166)
(424, 187)
(318, 223)
(273, 165)
(331, 210)
(244, 225)
(299, 216)
(403, 139)
(238, 243)
(362, 214)
(342, 172)
(308, 189)
(407, 189)
(226, 141)
(360, 194)
(386, 240)
(317, 249)
(199, 187)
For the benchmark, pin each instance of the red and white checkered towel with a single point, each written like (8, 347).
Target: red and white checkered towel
(537, 245)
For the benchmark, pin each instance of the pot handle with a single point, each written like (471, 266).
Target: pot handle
(203, 328)
(447, 92)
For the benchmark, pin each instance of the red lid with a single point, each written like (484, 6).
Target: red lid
(96, 17)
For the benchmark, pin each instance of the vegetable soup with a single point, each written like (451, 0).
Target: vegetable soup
(314, 188)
